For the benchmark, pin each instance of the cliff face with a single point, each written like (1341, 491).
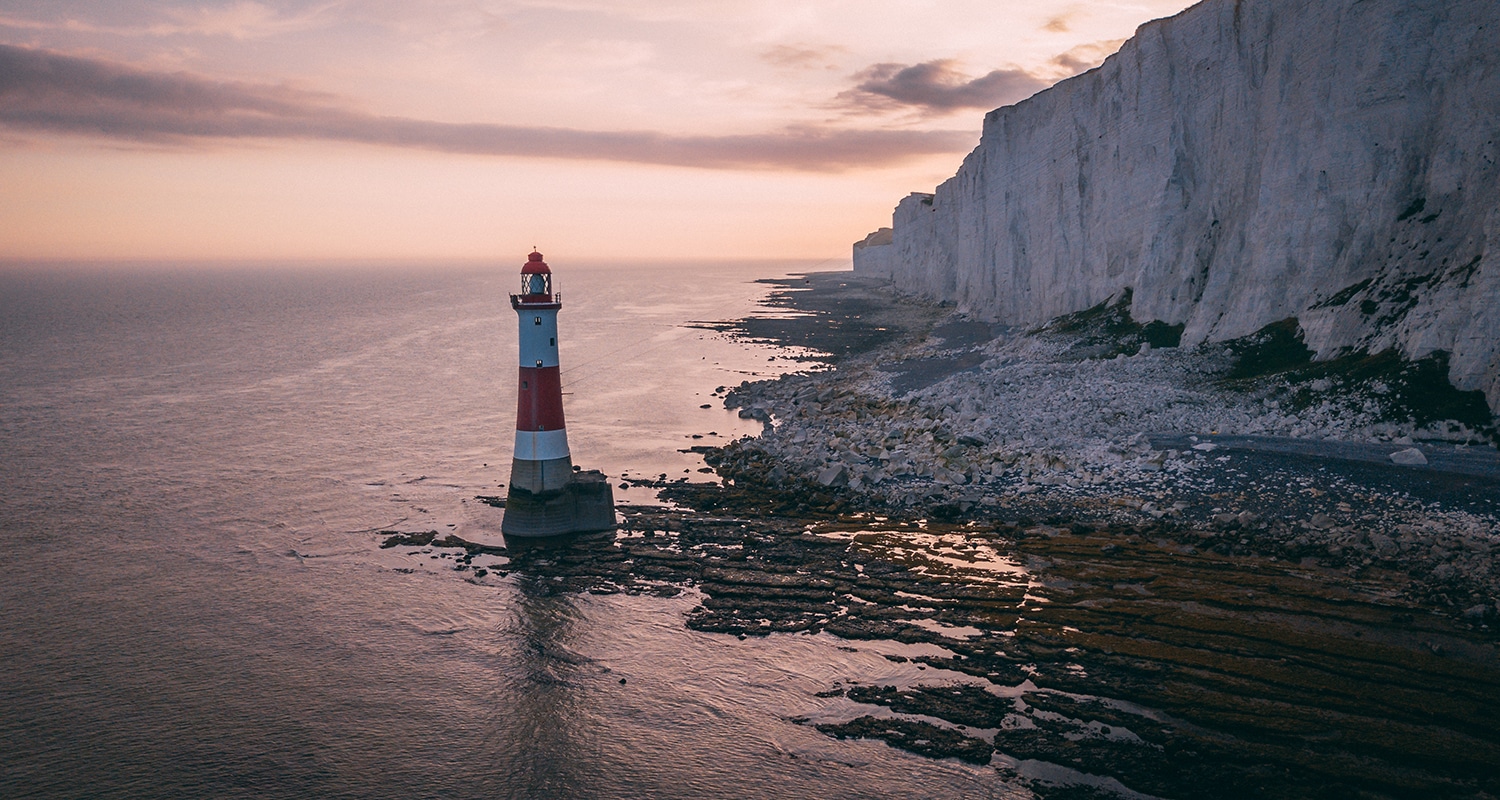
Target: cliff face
(1246, 161)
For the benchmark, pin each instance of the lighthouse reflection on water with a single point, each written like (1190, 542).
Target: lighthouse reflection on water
(548, 496)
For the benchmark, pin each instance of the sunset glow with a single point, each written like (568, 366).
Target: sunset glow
(356, 130)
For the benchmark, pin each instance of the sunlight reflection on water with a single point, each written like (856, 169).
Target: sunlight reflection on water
(198, 464)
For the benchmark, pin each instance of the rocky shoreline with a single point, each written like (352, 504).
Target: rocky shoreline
(1077, 659)
(1261, 555)
(1085, 419)
(1099, 615)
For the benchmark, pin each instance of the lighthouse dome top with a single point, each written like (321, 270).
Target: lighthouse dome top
(537, 291)
(535, 265)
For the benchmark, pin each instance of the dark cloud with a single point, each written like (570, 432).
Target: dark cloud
(938, 86)
(53, 93)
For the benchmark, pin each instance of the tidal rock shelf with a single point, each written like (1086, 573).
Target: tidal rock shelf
(1076, 659)
(1092, 604)
(1226, 564)
(1083, 418)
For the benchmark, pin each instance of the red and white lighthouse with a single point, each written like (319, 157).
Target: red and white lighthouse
(542, 461)
(547, 497)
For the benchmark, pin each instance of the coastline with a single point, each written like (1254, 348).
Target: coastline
(1138, 631)
(1203, 608)
(901, 425)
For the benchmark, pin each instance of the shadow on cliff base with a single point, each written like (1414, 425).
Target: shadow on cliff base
(1415, 391)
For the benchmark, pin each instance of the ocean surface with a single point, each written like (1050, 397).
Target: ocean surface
(194, 468)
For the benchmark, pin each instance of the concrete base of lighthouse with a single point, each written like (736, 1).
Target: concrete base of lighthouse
(584, 503)
(541, 475)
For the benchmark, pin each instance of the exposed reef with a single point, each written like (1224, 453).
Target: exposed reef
(1074, 657)
(1083, 417)
(1116, 566)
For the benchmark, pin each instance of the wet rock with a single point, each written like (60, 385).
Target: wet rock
(1384, 546)
(914, 736)
(1410, 457)
(399, 539)
(834, 475)
(966, 705)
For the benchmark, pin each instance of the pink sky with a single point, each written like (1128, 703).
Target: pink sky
(336, 129)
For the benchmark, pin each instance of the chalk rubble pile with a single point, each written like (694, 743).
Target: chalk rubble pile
(1031, 421)
(1029, 416)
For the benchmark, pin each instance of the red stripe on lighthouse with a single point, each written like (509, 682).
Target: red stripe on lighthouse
(539, 401)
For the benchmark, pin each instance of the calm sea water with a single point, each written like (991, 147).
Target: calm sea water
(193, 465)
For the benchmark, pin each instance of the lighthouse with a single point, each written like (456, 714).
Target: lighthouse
(542, 461)
(547, 496)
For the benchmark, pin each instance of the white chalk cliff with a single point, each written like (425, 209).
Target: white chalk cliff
(1243, 162)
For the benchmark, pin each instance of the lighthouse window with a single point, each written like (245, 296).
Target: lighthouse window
(552, 341)
(538, 320)
(523, 384)
(539, 362)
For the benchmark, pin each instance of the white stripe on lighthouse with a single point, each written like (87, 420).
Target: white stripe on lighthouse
(538, 340)
(541, 445)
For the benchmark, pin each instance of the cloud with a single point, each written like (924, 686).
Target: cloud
(1085, 57)
(242, 20)
(43, 91)
(1058, 24)
(803, 57)
(937, 86)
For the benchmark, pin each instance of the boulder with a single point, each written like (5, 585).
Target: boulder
(1410, 457)
(834, 475)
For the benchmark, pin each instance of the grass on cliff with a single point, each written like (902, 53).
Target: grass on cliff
(1107, 330)
(1407, 391)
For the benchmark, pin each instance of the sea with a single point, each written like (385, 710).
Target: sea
(197, 463)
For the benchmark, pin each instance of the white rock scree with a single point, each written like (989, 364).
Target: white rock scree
(1239, 164)
(1003, 423)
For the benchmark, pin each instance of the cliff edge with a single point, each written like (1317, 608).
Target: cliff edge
(1239, 164)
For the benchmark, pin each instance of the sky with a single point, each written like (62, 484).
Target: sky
(471, 129)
